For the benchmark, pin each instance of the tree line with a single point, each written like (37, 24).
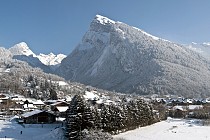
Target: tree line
(114, 118)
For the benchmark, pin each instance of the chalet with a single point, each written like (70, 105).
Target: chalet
(38, 116)
(178, 111)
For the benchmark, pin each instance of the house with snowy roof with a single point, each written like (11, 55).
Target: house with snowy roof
(178, 111)
(38, 116)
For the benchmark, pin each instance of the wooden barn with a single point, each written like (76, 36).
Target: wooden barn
(38, 116)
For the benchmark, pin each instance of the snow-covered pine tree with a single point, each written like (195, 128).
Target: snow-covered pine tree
(146, 114)
(88, 117)
(117, 118)
(80, 116)
(106, 119)
(74, 117)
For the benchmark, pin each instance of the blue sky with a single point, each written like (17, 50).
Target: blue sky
(58, 25)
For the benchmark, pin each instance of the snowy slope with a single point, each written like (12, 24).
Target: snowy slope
(4, 53)
(115, 56)
(172, 129)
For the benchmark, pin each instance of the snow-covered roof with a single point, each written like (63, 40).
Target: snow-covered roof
(25, 106)
(68, 98)
(62, 83)
(4, 98)
(108, 102)
(62, 108)
(179, 107)
(60, 119)
(192, 107)
(38, 102)
(90, 95)
(28, 114)
(57, 103)
(188, 101)
(100, 101)
(51, 101)
(15, 109)
(206, 100)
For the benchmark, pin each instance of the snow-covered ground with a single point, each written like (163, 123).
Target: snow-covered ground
(11, 130)
(171, 129)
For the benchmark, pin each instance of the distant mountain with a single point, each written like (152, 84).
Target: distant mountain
(21, 49)
(202, 48)
(48, 63)
(51, 59)
(115, 56)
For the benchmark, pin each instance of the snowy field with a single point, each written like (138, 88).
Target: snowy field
(10, 130)
(171, 129)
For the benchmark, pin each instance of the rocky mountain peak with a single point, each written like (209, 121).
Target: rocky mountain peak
(115, 56)
(21, 49)
(103, 20)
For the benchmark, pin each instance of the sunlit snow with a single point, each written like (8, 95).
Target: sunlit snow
(171, 129)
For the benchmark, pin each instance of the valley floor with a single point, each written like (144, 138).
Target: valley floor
(171, 129)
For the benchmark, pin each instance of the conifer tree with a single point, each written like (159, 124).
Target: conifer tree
(79, 117)
(74, 117)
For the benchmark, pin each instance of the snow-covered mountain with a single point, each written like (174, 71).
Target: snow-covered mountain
(51, 59)
(22, 52)
(115, 56)
(202, 48)
(21, 49)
